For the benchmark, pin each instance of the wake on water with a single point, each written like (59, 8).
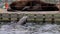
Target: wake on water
(30, 28)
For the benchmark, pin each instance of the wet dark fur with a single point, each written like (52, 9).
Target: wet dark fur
(35, 6)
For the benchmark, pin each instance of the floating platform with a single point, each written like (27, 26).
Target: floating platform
(34, 16)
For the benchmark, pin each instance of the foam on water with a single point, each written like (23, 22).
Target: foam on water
(30, 28)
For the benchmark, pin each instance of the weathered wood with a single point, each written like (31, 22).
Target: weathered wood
(8, 16)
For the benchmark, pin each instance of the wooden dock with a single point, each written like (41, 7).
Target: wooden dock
(36, 16)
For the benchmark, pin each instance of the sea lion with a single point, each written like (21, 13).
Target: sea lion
(33, 5)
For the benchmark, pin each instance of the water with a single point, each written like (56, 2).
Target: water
(30, 28)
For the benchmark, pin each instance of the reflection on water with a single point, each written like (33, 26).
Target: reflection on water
(30, 28)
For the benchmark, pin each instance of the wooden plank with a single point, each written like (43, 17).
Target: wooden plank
(40, 12)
